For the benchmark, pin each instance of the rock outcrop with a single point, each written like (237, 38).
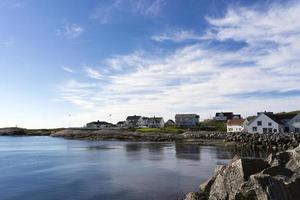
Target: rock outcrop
(275, 178)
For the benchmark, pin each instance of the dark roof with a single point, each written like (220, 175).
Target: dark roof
(186, 115)
(224, 113)
(100, 123)
(133, 118)
(170, 121)
(273, 117)
(121, 122)
(157, 119)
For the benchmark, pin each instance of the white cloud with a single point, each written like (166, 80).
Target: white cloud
(93, 73)
(178, 36)
(203, 79)
(113, 11)
(68, 69)
(71, 31)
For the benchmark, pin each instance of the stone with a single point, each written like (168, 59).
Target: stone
(263, 187)
(195, 196)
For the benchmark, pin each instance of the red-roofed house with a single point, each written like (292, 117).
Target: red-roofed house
(236, 125)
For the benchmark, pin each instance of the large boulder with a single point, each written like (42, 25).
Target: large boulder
(233, 176)
(289, 159)
(262, 187)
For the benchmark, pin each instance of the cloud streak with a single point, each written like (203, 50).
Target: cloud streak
(205, 78)
(113, 11)
(71, 31)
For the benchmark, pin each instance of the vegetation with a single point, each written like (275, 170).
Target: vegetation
(212, 125)
(168, 129)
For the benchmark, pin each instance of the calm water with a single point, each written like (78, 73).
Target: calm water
(45, 168)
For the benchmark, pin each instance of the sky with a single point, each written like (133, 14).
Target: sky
(68, 62)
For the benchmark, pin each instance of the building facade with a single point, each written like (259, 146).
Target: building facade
(224, 116)
(294, 124)
(236, 125)
(265, 122)
(187, 120)
(133, 121)
(98, 125)
(155, 122)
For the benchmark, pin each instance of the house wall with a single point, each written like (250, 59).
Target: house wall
(187, 121)
(265, 124)
(294, 124)
(234, 128)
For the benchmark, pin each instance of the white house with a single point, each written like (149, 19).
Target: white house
(236, 125)
(294, 124)
(156, 122)
(265, 122)
(133, 121)
(186, 120)
(98, 125)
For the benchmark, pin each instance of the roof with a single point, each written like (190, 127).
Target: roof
(99, 123)
(186, 115)
(121, 122)
(134, 117)
(170, 121)
(224, 113)
(273, 117)
(157, 119)
(238, 122)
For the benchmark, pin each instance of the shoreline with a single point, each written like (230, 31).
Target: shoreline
(280, 141)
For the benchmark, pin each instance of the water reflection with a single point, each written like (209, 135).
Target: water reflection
(184, 151)
(51, 168)
(151, 147)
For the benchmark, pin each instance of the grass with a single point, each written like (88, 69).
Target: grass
(211, 125)
(169, 129)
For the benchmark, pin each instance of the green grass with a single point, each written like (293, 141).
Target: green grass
(169, 129)
(211, 125)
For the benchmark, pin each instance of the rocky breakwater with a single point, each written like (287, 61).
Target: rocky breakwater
(281, 141)
(13, 131)
(275, 178)
(117, 134)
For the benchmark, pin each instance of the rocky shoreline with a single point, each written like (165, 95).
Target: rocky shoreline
(276, 177)
(279, 141)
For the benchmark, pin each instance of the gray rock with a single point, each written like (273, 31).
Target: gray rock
(236, 173)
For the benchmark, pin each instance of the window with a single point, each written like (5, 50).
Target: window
(275, 130)
(270, 130)
(296, 130)
(259, 123)
(265, 130)
(270, 123)
(254, 128)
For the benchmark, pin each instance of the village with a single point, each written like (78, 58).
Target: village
(263, 122)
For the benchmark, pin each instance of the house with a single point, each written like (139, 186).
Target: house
(155, 122)
(98, 125)
(143, 122)
(236, 125)
(121, 124)
(293, 125)
(265, 122)
(133, 121)
(186, 120)
(224, 116)
(170, 123)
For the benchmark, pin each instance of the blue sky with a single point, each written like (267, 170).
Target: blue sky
(95, 59)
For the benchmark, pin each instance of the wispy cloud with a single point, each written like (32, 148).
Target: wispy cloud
(93, 73)
(107, 13)
(204, 78)
(70, 31)
(68, 69)
(178, 36)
